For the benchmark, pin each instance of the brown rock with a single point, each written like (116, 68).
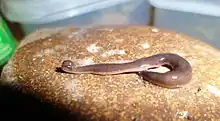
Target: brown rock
(117, 97)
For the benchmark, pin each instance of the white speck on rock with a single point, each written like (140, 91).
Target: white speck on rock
(182, 115)
(86, 61)
(48, 51)
(93, 48)
(166, 34)
(44, 52)
(59, 47)
(214, 90)
(119, 40)
(113, 52)
(145, 45)
(79, 32)
(155, 30)
(175, 90)
(38, 54)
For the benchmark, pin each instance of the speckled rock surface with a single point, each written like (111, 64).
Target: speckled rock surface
(124, 97)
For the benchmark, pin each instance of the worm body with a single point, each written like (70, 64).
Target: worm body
(180, 74)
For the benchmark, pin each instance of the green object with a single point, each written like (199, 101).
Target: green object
(7, 43)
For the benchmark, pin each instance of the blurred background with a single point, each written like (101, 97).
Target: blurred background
(199, 19)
